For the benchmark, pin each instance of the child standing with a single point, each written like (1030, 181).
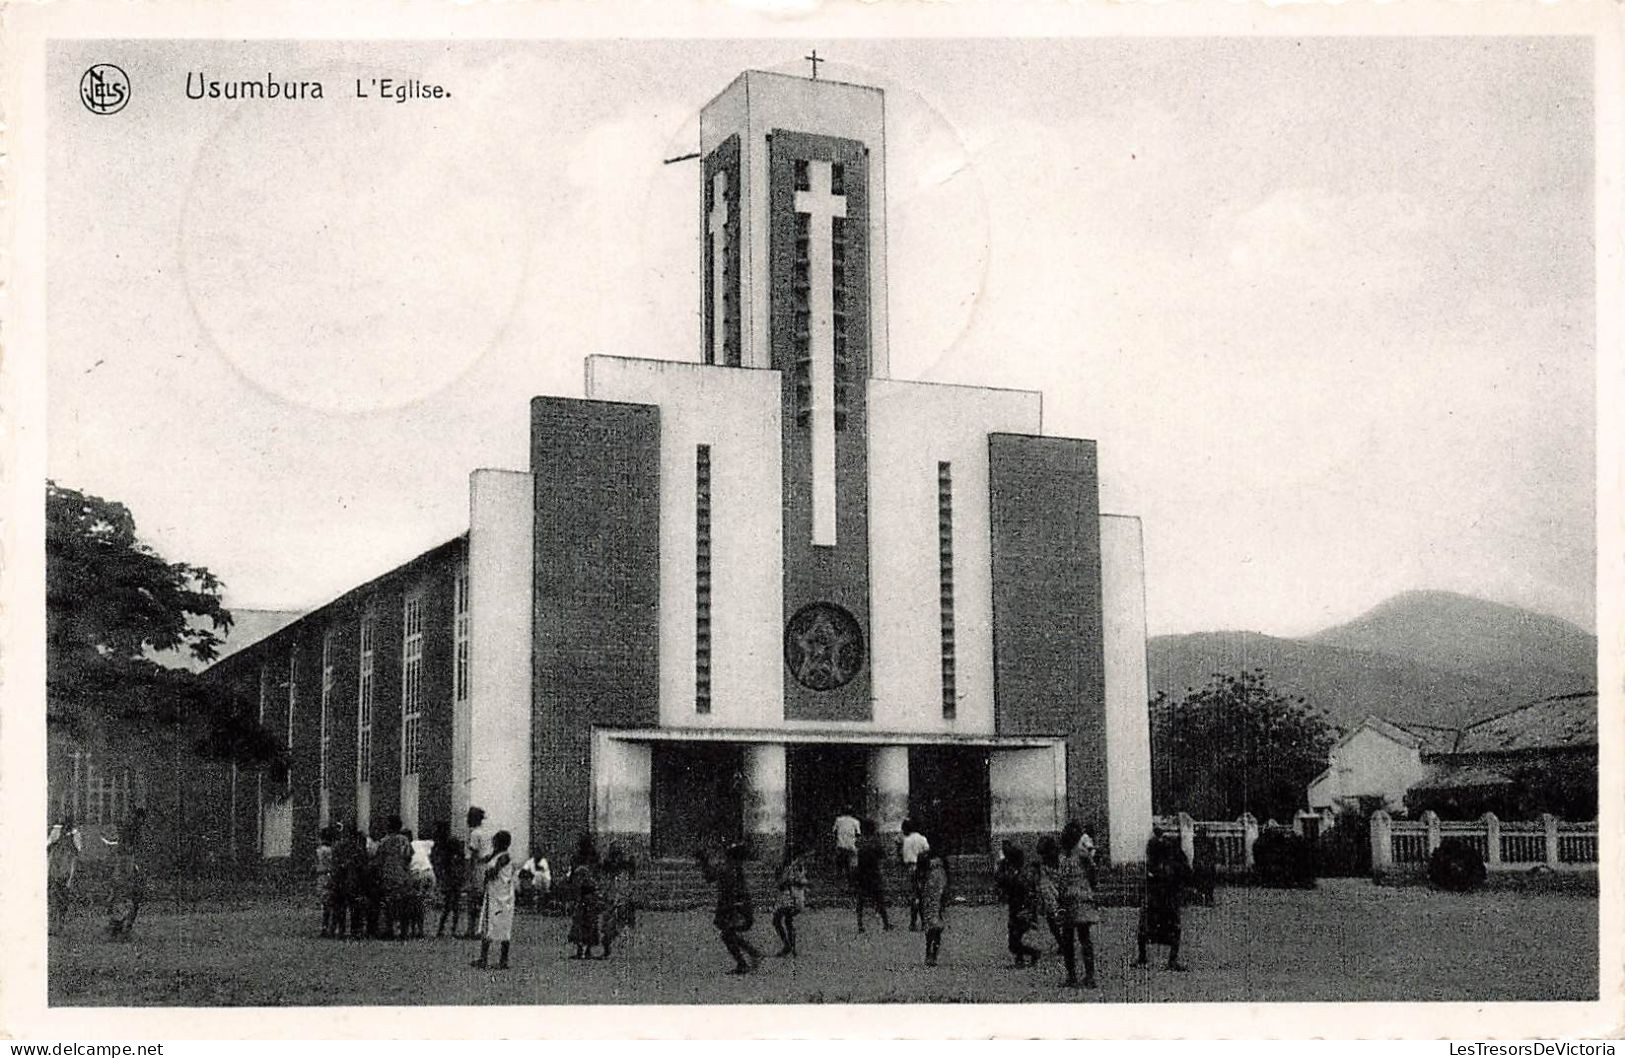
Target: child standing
(450, 863)
(496, 907)
(1074, 882)
(63, 846)
(324, 879)
(734, 915)
(792, 882)
(587, 917)
(933, 902)
(868, 880)
(1044, 887)
(1015, 887)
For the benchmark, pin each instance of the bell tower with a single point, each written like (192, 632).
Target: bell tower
(794, 218)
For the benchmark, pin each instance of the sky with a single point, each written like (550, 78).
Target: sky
(1327, 305)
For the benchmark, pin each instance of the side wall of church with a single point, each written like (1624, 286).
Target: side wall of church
(914, 428)
(430, 574)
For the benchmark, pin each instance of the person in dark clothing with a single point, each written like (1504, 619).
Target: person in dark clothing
(350, 867)
(450, 861)
(735, 915)
(868, 879)
(1016, 889)
(129, 881)
(1205, 871)
(1167, 872)
(392, 860)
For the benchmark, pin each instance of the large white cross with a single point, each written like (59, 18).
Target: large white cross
(821, 207)
(717, 225)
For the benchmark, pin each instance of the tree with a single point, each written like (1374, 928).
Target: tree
(112, 605)
(1237, 745)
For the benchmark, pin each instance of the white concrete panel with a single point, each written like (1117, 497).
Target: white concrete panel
(753, 106)
(621, 777)
(1024, 794)
(912, 427)
(502, 512)
(736, 412)
(1128, 724)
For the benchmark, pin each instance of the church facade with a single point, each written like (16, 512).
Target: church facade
(735, 594)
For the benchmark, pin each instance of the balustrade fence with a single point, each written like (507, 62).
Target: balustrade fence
(1405, 843)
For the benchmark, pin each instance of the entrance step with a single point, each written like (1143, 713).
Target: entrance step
(677, 885)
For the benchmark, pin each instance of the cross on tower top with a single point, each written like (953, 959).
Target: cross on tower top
(815, 60)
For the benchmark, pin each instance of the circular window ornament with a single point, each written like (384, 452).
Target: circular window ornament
(823, 646)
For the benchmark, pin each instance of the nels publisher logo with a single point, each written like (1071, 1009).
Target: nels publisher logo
(104, 89)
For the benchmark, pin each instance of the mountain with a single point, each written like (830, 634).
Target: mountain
(1426, 657)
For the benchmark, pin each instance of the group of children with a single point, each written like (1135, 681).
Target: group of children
(735, 913)
(380, 885)
(602, 888)
(379, 888)
(1059, 891)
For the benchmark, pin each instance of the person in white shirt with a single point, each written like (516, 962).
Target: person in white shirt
(846, 844)
(912, 844)
(479, 851)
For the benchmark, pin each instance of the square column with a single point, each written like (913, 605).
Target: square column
(888, 787)
(764, 807)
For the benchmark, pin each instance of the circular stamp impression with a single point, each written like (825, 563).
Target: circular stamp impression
(104, 89)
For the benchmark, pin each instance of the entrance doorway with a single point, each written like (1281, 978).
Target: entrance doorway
(950, 798)
(696, 796)
(822, 780)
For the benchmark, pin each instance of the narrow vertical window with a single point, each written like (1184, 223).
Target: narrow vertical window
(945, 582)
(327, 710)
(460, 631)
(293, 692)
(702, 579)
(411, 681)
(363, 711)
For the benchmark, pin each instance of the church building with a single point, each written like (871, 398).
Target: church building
(740, 589)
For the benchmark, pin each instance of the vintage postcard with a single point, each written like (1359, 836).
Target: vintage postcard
(1016, 521)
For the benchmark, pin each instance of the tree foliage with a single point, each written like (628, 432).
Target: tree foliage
(113, 605)
(1236, 745)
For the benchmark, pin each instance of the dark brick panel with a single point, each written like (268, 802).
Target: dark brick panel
(837, 574)
(596, 622)
(1048, 654)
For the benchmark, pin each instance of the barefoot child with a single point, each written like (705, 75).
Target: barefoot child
(1015, 886)
(792, 883)
(324, 880)
(933, 902)
(734, 913)
(496, 907)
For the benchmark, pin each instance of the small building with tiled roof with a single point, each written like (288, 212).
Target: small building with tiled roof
(1504, 763)
(1518, 762)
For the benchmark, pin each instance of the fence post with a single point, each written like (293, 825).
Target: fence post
(1187, 836)
(1249, 834)
(1492, 840)
(1297, 824)
(1549, 822)
(1430, 819)
(1382, 841)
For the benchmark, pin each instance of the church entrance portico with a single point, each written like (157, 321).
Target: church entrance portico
(949, 797)
(824, 779)
(696, 796)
